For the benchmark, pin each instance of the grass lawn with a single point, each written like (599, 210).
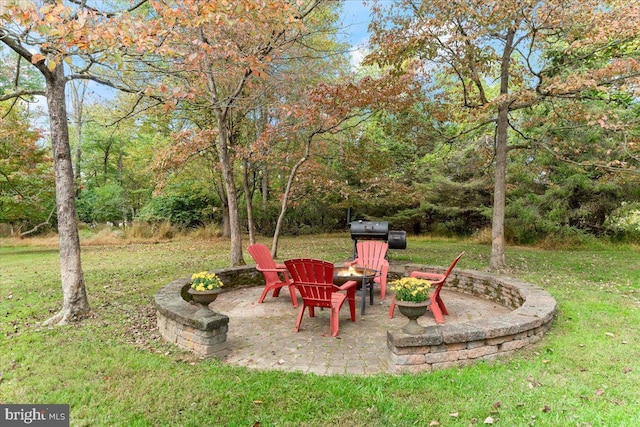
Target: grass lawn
(114, 370)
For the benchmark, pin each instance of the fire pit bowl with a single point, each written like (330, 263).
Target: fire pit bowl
(344, 274)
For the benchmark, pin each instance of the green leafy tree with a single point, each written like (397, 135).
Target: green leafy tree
(485, 62)
(27, 199)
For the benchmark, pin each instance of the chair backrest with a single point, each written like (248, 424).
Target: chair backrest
(453, 264)
(372, 253)
(265, 263)
(261, 255)
(314, 279)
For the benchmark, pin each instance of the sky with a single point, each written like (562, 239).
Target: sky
(355, 20)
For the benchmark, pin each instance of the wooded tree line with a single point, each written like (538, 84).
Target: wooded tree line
(519, 117)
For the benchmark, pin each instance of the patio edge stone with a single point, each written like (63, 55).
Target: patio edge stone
(445, 346)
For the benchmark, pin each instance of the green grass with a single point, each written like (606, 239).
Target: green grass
(114, 370)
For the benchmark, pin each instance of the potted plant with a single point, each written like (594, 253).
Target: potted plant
(412, 298)
(205, 287)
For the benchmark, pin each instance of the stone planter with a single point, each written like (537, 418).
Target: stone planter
(204, 298)
(413, 310)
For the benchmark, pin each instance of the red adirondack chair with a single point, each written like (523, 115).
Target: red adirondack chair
(314, 280)
(275, 275)
(371, 254)
(437, 306)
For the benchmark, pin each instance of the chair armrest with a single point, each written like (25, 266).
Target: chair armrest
(348, 285)
(276, 270)
(428, 276)
(350, 263)
(384, 271)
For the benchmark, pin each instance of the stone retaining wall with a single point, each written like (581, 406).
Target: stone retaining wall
(447, 345)
(441, 346)
(201, 332)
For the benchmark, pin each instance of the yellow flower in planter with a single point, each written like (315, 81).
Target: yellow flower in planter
(411, 289)
(205, 281)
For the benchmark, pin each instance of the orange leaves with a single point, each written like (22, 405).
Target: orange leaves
(37, 58)
(51, 62)
(188, 146)
(53, 12)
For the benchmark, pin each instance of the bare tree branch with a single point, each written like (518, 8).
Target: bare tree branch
(42, 224)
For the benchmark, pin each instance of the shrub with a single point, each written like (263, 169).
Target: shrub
(624, 223)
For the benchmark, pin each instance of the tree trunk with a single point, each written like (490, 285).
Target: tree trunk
(285, 197)
(265, 188)
(264, 182)
(75, 302)
(226, 231)
(77, 101)
(498, 260)
(248, 194)
(236, 258)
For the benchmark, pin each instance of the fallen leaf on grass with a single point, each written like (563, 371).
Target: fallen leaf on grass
(434, 423)
(257, 402)
(627, 369)
(497, 404)
(599, 392)
(532, 382)
(454, 414)
(545, 409)
(488, 420)
(609, 334)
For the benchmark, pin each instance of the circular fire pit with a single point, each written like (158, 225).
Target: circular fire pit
(344, 274)
(364, 276)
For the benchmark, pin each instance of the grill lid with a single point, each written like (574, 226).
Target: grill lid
(369, 230)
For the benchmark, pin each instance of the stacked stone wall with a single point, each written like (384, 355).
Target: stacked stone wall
(183, 323)
(447, 345)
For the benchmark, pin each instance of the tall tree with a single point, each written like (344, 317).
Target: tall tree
(495, 55)
(63, 41)
(217, 57)
(325, 110)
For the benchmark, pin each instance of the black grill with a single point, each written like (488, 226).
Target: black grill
(369, 230)
(377, 230)
(397, 239)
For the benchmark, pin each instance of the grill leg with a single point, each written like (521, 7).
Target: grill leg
(364, 295)
(371, 284)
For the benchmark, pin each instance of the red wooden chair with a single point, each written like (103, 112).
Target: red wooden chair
(314, 280)
(371, 254)
(275, 275)
(437, 306)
